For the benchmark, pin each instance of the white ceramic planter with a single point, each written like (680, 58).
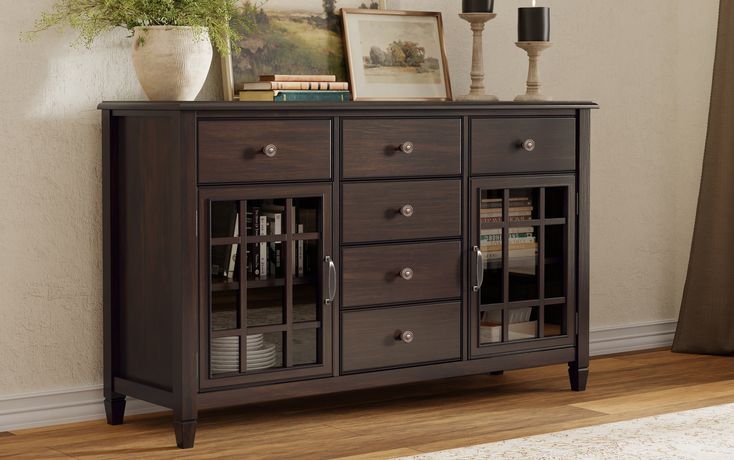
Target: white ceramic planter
(171, 62)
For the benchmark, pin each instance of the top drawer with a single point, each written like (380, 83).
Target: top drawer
(234, 150)
(511, 145)
(396, 147)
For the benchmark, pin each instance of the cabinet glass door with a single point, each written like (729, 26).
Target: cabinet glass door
(522, 237)
(269, 283)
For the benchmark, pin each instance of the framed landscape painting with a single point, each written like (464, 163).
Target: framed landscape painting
(396, 55)
(301, 37)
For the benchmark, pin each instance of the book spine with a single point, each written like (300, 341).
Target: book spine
(263, 248)
(233, 252)
(300, 253)
(298, 78)
(256, 253)
(296, 86)
(312, 96)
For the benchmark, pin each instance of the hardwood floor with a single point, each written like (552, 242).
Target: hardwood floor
(409, 419)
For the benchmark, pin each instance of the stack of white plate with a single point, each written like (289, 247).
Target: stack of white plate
(225, 354)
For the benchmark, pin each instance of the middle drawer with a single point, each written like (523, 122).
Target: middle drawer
(384, 211)
(385, 274)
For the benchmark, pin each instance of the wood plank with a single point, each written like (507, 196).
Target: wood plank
(406, 419)
(653, 399)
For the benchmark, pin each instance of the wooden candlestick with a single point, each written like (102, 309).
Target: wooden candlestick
(477, 22)
(533, 85)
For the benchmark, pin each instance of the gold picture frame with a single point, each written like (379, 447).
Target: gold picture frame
(403, 63)
(228, 70)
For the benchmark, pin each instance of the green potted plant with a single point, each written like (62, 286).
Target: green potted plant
(172, 39)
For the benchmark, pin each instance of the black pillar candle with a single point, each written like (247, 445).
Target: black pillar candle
(477, 6)
(533, 24)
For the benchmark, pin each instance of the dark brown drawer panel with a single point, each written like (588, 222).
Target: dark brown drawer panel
(497, 145)
(232, 150)
(371, 338)
(372, 147)
(374, 275)
(382, 211)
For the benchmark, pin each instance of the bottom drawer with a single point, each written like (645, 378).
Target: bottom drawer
(389, 337)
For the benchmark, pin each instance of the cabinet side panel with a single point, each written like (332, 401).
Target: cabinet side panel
(149, 253)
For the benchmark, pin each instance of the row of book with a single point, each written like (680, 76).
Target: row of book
(522, 240)
(264, 260)
(296, 88)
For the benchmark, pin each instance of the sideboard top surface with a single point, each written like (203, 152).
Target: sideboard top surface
(342, 106)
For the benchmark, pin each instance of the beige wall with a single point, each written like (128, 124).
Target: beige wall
(647, 63)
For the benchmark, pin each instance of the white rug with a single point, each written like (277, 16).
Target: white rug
(699, 434)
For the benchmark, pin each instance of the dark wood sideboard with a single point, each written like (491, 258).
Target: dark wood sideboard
(255, 252)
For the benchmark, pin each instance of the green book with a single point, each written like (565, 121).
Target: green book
(295, 96)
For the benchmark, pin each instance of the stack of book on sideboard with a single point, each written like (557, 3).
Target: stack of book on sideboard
(296, 88)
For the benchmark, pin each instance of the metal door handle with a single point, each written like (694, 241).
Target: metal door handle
(480, 269)
(332, 280)
(270, 150)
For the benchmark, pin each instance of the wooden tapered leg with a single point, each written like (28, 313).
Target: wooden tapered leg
(115, 409)
(185, 433)
(578, 377)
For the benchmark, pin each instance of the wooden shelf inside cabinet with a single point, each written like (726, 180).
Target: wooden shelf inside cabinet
(224, 285)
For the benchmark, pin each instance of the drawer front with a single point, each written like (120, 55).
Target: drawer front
(397, 273)
(382, 211)
(233, 150)
(497, 145)
(371, 339)
(372, 148)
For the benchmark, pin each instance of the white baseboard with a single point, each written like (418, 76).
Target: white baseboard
(86, 403)
(621, 339)
(33, 410)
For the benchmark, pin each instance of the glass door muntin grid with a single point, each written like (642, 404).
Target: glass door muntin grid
(291, 328)
(499, 303)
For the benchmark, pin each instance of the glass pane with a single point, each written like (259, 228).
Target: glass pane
(555, 261)
(225, 262)
(524, 204)
(491, 207)
(523, 323)
(306, 212)
(490, 327)
(225, 310)
(225, 287)
(265, 217)
(305, 347)
(225, 355)
(265, 306)
(554, 323)
(265, 261)
(306, 298)
(555, 203)
(225, 219)
(264, 351)
(491, 247)
(523, 263)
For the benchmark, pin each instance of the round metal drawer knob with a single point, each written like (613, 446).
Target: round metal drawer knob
(529, 145)
(407, 147)
(406, 336)
(270, 150)
(407, 210)
(406, 273)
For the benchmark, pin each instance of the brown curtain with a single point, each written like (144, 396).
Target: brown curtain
(706, 322)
